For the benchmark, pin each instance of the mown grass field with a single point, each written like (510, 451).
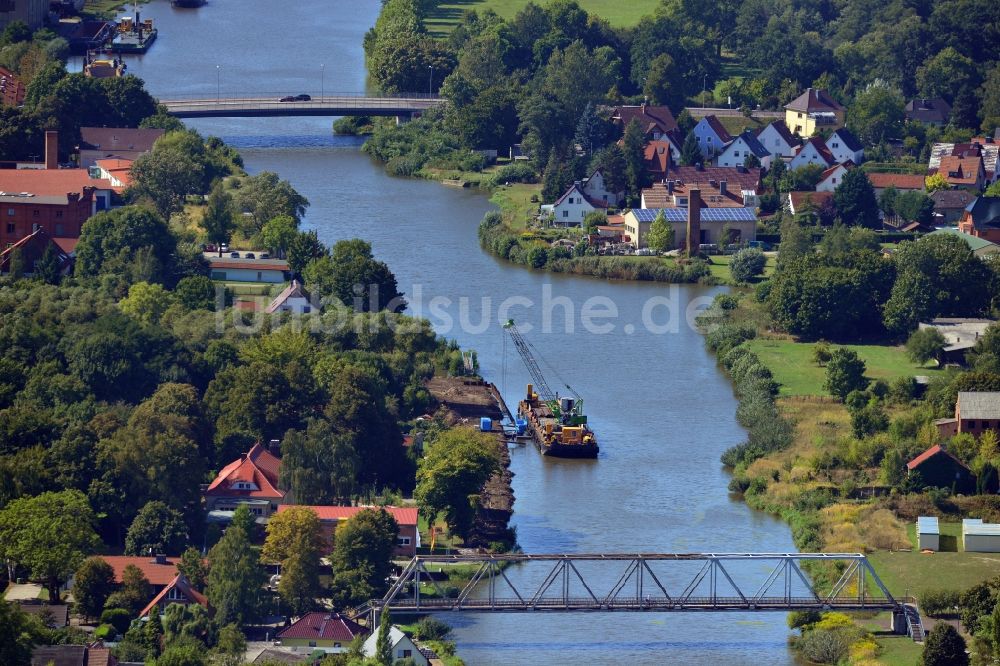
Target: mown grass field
(793, 367)
(617, 12)
(915, 572)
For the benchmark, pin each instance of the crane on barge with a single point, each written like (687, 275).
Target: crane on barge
(557, 424)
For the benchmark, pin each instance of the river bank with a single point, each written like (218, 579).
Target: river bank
(657, 486)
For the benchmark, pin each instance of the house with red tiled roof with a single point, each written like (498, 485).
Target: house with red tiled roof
(812, 151)
(115, 170)
(252, 479)
(712, 137)
(56, 200)
(981, 219)
(330, 632)
(655, 121)
(938, 468)
(902, 182)
(964, 171)
(738, 178)
(812, 110)
(984, 147)
(658, 156)
(177, 591)
(800, 202)
(159, 570)
(293, 299)
(407, 541)
(832, 177)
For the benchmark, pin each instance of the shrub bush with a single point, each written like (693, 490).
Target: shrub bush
(119, 618)
(823, 646)
(429, 628)
(939, 603)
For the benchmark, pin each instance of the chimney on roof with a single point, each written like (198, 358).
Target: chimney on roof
(699, 166)
(694, 221)
(722, 187)
(72, 197)
(274, 446)
(160, 558)
(670, 187)
(712, 183)
(741, 168)
(51, 149)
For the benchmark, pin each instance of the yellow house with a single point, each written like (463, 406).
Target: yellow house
(813, 110)
(327, 631)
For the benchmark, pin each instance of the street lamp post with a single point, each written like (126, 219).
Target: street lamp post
(704, 89)
(430, 81)
(218, 83)
(322, 80)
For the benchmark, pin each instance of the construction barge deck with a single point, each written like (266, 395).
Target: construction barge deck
(558, 427)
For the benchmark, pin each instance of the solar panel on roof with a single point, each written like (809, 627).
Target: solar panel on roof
(707, 214)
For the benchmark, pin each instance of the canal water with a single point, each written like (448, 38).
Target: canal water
(661, 409)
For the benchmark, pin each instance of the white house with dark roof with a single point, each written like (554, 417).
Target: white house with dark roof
(778, 140)
(844, 146)
(712, 136)
(813, 151)
(573, 206)
(596, 189)
(739, 149)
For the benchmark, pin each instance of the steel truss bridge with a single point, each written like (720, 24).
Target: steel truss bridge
(260, 105)
(677, 582)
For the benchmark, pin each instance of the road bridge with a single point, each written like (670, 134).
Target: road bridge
(644, 582)
(261, 105)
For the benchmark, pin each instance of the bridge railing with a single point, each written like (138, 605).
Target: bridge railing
(275, 95)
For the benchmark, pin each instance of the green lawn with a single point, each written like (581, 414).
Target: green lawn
(914, 572)
(516, 204)
(793, 367)
(738, 124)
(719, 266)
(447, 14)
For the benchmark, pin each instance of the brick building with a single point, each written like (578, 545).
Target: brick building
(56, 200)
(975, 413)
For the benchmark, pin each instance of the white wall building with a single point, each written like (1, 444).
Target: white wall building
(402, 647)
(980, 537)
(928, 533)
(573, 206)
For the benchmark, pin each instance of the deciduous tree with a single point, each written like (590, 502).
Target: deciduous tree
(362, 555)
(661, 234)
(845, 372)
(157, 529)
(93, 581)
(855, 200)
(234, 578)
(452, 473)
(49, 535)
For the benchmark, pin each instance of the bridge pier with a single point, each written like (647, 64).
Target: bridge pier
(897, 623)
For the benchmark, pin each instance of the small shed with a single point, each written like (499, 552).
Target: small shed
(980, 537)
(928, 533)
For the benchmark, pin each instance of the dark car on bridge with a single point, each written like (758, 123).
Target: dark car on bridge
(288, 98)
(303, 98)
